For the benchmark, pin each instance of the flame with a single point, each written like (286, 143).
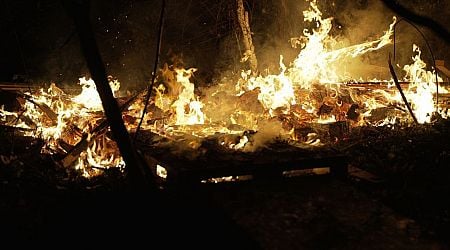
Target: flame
(275, 90)
(422, 89)
(194, 114)
(315, 66)
(312, 89)
(187, 107)
(89, 96)
(59, 118)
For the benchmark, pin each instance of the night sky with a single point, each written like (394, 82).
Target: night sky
(39, 43)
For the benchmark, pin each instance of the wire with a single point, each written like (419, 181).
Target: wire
(155, 67)
(429, 48)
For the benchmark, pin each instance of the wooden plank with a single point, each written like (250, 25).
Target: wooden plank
(13, 86)
(362, 175)
(440, 65)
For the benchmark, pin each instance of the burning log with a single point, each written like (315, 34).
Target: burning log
(52, 116)
(42, 106)
(22, 87)
(75, 152)
(87, 141)
(366, 87)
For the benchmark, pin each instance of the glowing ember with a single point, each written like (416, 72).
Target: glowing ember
(161, 171)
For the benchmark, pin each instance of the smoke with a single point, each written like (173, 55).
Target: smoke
(268, 131)
(279, 21)
(367, 21)
(354, 22)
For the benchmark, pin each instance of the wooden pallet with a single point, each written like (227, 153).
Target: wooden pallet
(212, 163)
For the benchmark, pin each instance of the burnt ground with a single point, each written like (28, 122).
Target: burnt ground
(406, 207)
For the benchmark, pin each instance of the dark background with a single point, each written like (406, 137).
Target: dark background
(39, 44)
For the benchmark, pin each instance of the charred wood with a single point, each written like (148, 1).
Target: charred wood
(86, 141)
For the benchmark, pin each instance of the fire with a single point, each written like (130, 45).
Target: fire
(422, 89)
(275, 90)
(89, 96)
(316, 65)
(253, 110)
(61, 119)
(188, 109)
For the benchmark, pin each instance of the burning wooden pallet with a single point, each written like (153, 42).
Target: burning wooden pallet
(210, 162)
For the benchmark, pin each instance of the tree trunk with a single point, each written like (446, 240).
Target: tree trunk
(249, 54)
(135, 169)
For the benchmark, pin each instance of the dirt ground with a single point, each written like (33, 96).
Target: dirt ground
(406, 208)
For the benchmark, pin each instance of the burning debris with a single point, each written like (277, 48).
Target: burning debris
(310, 103)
